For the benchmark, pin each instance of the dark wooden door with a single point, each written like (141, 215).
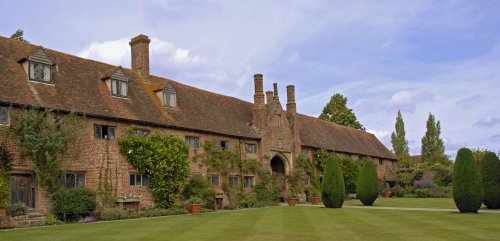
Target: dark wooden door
(22, 189)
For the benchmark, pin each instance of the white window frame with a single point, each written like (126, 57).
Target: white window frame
(143, 180)
(104, 137)
(245, 182)
(117, 88)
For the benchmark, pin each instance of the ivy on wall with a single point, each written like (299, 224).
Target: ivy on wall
(44, 137)
(5, 162)
(164, 158)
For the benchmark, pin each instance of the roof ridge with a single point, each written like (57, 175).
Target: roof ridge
(335, 124)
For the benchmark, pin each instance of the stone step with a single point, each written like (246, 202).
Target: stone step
(35, 214)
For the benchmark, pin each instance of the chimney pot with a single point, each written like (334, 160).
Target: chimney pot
(291, 107)
(275, 86)
(259, 91)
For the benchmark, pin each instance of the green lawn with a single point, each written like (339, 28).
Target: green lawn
(282, 223)
(409, 202)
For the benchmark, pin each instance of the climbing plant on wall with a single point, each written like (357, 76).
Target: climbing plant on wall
(164, 158)
(44, 137)
(5, 162)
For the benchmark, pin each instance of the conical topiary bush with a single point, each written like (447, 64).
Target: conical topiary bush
(368, 186)
(332, 187)
(490, 171)
(467, 183)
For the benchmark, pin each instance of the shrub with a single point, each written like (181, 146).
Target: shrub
(73, 203)
(443, 174)
(350, 172)
(247, 200)
(405, 179)
(117, 214)
(198, 186)
(156, 212)
(17, 209)
(332, 188)
(51, 220)
(164, 158)
(422, 192)
(398, 191)
(490, 170)
(368, 184)
(266, 194)
(422, 184)
(467, 183)
(4, 189)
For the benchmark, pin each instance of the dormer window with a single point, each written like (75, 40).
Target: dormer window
(39, 66)
(118, 83)
(169, 96)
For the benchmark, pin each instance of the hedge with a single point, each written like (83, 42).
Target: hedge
(490, 170)
(467, 183)
(332, 188)
(368, 184)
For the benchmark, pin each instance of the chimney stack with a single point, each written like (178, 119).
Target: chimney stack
(259, 91)
(269, 96)
(140, 55)
(291, 107)
(275, 97)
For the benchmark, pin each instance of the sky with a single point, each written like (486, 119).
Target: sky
(417, 56)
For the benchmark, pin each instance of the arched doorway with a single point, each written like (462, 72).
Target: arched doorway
(278, 169)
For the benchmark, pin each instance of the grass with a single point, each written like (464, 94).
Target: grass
(282, 223)
(409, 203)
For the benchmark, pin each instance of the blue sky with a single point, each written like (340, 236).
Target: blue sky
(417, 56)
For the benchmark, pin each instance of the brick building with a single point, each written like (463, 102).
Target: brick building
(116, 99)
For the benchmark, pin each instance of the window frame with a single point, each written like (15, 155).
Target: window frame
(252, 150)
(212, 177)
(102, 136)
(144, 180)
(139, 132)
(44, 65)
(277, 120)
(304, 152)
(380, 162)
(7, 114)
(225, 147)
(231, 181)
(245, 178)
(169, 104)
(196, 139)
(118, 87)
(75, 182)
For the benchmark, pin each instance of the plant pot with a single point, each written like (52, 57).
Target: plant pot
(386, 194)
(196, 209)
(315, 200)
(292, 201)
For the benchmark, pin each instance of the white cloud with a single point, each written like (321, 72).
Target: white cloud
(379, 134)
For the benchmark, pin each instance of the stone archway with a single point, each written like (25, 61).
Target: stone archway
(279, 175)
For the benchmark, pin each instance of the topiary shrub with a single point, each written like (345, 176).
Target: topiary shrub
(490, 170)
(332, 188)
(368, 184)
(73, 203)
(467, 183)
(350, 171)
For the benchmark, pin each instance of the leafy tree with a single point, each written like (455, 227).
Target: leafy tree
(332, 188)
(350, 170)
(164, 158)
(467, 185)
(44, 139)
(400, 144)
(490, 171)
(368, 184)
(336, 111)
(432, 144)
(18, 35)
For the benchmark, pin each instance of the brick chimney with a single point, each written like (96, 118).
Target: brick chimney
(275, 96)
(291, 107)
(269, 96)
(258, 97)
(140, 55)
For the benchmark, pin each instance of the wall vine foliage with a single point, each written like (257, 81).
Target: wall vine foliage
(164, 158)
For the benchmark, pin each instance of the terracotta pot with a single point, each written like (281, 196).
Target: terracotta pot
(292, 201)
(315, 200)
(386, 194)
(196, 209)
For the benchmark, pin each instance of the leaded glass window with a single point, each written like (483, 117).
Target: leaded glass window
(248, 182)
(4, 115)
(39, 71)
(119, 88)
(74, 179)
(169, 96)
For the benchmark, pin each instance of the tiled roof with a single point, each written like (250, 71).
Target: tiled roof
(327, 135)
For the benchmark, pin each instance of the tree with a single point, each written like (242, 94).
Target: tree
(44, 139)
(432, 144)
(336, 111)
(467, 185)
(368, 184)
(332, 188)
(490, 171)
(399, 142)
(350, 170)
(18, 35)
